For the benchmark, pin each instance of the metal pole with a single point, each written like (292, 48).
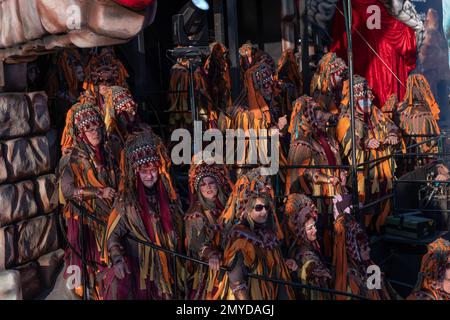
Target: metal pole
(192, 91)
(175, 276)
(83, 258)
(287, 24)
(233, 45)
(2, 75)
(219, 25)
(347, 4)
(304, 45)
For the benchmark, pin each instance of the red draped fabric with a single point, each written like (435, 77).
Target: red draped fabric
(394, 43)
(135, 4)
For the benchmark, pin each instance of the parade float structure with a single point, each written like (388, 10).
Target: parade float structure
(30, 233)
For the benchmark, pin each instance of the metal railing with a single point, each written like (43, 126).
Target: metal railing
(174, 255)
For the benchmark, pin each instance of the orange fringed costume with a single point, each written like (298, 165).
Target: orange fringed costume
(106, 69)
(217, 68)
(203, 232)
(290, 80)
(252, 180)
(83, 171)
(179, 94)
(374, 179)
(351, 260)
(435, 265)
(418, 114)
(103, 69)
(256, 108)
(312, 145)
(150, 215)
(326, 85)
(312, 269)
(253, 248)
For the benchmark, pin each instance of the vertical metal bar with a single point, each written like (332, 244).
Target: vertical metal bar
(192, 91)
(347, 5)
(233, 45)
(260, 23)
(83, 258)
(287, 24)
(141, 42)
(175, 276)
(219, 24)
(2, 74)
(304, 45)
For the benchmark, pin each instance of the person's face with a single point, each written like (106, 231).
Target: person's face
(264, 80)
(259, 212)
(365, 104)
(365, 251)
(322, 118)
(208, 188)
(103, 89)
(131, 113)
(79, 73)
(442, 169)
(127, 118)
(446, 282)
(149, 176)
(447, 270)
(311, 231)
(336, 79)
(94, 135)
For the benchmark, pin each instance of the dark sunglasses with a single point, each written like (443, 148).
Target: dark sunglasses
(260, 207)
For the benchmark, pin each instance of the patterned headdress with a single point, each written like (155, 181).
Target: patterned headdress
(218, 172)
(79, 118)
(297, 216)
(86, 116)
(288, 69)
(142, 151)
(418, 88)
(250, 185)
(105, 68)
(303, 117)
(330, 66)
(123, 100)
(434, 263)
(361, 89)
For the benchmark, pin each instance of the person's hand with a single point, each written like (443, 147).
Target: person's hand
(120, 270)
(282, 122)
(334, 180)
(107, 193)
(214, 263)
(343, 176)
(391, 140)
(373, 144)
(292, 265)
(441, 177)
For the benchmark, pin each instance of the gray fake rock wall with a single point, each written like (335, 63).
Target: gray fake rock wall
(30, 234)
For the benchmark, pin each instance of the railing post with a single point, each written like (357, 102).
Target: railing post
(83, 258)
(347, 5)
